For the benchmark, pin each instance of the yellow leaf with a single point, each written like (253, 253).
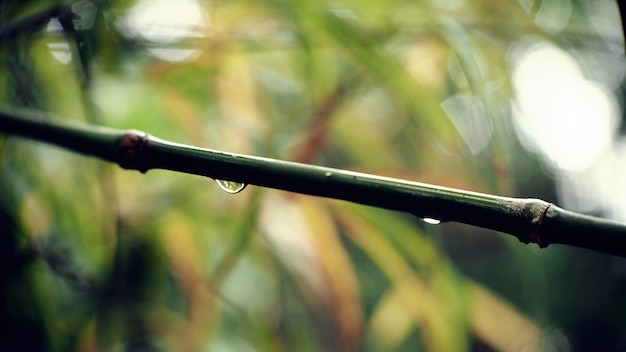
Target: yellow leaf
(441, 331)
(391, 322)
(426, 293)
(499, 324)
(183, 251)
(288, 234)
(304, 236)
(341, 282)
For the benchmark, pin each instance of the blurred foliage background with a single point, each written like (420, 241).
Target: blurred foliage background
(518, 98)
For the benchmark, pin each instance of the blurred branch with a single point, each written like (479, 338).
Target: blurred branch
(318, 131)
(64, 12)
(33, 21)
(530, 220)
(622, 9)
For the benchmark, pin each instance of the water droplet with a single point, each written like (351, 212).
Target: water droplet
(328, 174)
(432, 221)
(231, 186)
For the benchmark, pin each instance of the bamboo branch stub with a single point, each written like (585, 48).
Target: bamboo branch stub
(131, 146)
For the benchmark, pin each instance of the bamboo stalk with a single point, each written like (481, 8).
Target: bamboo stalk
(530, 220)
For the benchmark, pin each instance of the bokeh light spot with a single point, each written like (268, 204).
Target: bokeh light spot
(558, 112)
(165, 23)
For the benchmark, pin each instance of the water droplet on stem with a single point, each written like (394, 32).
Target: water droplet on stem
(231, 187)
(432, 221)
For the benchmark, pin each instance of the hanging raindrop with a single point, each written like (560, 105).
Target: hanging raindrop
(231, 187)
(432, 221)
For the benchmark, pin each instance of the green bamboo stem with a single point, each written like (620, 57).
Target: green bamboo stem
(530, 220)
